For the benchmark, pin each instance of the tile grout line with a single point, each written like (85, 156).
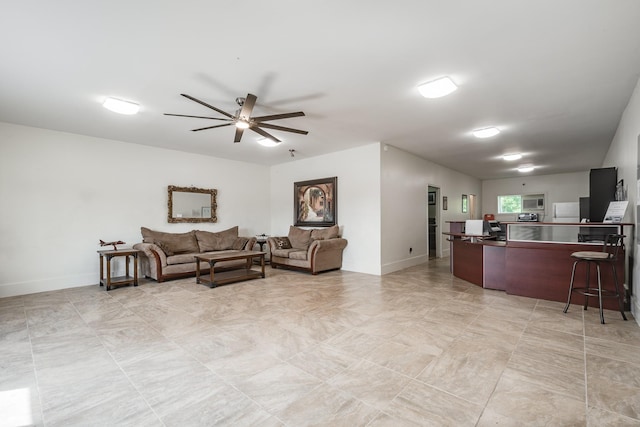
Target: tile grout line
(115, 361)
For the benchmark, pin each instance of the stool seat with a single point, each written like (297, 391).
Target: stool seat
(590, 256)
(608, 255)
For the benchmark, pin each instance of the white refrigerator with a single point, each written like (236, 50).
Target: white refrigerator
(566, 212)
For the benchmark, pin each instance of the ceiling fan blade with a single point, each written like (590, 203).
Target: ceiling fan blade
(211, 127)
(224, 113)
(196, 117)
(277, 116)
(276, 127)
(263, 133)
(238, 136)
(247, 107)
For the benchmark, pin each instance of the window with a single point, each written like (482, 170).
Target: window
(516, 203)
(510, 204)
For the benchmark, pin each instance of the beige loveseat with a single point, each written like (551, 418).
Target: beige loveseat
(168, 256)
(314, 250)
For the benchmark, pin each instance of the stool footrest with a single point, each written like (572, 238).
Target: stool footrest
(593, 292)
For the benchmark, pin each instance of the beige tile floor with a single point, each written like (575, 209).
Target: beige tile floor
(414, 348)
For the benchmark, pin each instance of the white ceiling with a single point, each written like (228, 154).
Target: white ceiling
(554, 75)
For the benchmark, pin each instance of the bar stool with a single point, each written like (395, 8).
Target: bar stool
(608, 255)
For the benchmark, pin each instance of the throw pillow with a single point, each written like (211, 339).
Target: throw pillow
(299, 238)
(177, 243)
(282, 242)
(218, 241)
(239, 243)
(165, 248)
(174, 246)
(325, 233)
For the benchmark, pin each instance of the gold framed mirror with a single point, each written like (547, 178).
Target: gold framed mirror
(191, 204)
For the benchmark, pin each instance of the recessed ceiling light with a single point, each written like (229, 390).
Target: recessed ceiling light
(121, 107)
(514, 156)
(267, 142)
(486, 132)
(437, 88)
(525, 168)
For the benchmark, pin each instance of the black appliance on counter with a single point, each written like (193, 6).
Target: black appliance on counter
(528, 217)
(493, 228)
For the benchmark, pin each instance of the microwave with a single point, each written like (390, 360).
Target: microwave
(528, 217)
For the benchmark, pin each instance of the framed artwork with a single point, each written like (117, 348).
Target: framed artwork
(445, 203)
(316, 202)
(432, 197)
(465, 202)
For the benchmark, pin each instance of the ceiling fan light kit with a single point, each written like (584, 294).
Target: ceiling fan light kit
(437, 88)
(242, 119)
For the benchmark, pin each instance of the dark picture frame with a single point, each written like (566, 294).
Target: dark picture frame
(432, 197)
(445, 203)
(316, 202)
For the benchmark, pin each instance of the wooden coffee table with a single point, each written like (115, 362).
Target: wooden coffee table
(224, 277)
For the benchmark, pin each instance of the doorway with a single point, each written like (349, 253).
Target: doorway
(433, 203)
(472, 206)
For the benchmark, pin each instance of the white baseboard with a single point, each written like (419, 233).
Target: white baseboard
(46, 285)
(402, 264)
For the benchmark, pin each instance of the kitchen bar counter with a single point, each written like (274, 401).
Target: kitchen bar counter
(534, 262)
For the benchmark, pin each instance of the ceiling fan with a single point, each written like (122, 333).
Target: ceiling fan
(242, 118)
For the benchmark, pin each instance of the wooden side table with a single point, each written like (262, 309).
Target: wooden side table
(261, 240)
(109, 281)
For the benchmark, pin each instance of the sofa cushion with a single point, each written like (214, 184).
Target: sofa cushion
(282, 242)
(180, 259)
(325, 233)
(301, 255)
(286, 253)
(171, 243)
(299, 237)
(218, 241)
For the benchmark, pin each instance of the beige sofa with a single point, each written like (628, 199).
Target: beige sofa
(314, 250)
(167, 256)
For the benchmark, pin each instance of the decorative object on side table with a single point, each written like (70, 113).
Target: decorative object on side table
(315, 202)
(114, 243)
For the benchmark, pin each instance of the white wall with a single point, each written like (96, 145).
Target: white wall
(565, 187)
(623, 154)
(62, 192)
(405, 181)
(358, 208)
